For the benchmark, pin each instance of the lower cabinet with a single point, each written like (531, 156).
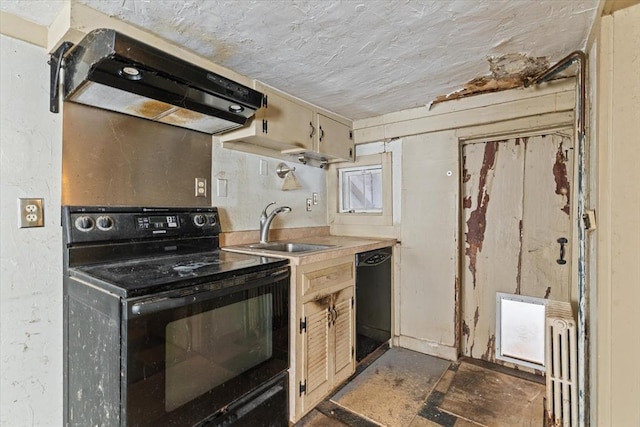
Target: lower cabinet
(325, 343)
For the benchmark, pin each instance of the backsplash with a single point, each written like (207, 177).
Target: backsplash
(252, 183)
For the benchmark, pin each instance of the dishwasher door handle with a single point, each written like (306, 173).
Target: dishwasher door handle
(374, 260)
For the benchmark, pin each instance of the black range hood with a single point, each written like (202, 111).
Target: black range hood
(112, 71)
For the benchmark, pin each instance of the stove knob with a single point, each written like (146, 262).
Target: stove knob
(84, 223)
(104, 223)
(199, 220)
(212, 220)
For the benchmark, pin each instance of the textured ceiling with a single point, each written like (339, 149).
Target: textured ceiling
(356, 58)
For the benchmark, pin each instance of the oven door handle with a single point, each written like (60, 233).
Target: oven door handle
(169, 302)
(161, 304)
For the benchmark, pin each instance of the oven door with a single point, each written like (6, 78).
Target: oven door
(192, 353)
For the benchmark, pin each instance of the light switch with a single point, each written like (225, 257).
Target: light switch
(221, 187)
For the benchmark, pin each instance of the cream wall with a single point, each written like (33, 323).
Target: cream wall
(429, 235)
(618, 234)
(30, 259)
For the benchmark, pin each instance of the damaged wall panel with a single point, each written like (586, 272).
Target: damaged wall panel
(493, 182)
(547, 208)
(515, 198)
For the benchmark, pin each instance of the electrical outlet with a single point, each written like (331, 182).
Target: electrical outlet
(308, 205)
(201, 187)
(31, 213)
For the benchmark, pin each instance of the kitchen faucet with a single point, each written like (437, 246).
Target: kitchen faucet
(265, 220)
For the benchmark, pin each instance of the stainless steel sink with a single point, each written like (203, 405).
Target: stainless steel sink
(289, 247)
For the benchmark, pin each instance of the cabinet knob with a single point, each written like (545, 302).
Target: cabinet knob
(313, 130)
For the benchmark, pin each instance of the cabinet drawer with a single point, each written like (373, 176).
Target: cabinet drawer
(325, 274)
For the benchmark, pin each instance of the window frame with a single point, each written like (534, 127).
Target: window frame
(377, 223)
(342, 171)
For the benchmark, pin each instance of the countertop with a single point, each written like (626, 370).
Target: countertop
(342, 246)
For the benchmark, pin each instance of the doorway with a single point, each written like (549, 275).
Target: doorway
(516, 219)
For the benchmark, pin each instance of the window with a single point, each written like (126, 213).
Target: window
(360, 189)
(361, 202)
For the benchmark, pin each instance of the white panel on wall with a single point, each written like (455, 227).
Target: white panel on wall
(429, 243)
(31, 259)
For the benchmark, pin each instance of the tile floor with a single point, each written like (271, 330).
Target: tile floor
(402, 388)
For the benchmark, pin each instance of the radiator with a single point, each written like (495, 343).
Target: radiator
(561, 366)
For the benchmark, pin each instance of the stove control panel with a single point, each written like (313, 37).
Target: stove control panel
(157, 222)
(94, 224)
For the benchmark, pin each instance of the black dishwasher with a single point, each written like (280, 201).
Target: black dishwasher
(373, 300)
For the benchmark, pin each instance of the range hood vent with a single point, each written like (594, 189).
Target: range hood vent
(112, 71)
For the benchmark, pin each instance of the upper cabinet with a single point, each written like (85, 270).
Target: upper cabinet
(334, 139)
(287, 127)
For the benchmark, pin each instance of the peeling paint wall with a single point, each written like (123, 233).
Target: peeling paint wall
(516, 198)
(31, 259)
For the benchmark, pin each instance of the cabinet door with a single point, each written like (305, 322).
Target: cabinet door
(343, 354)
(288, 122)
(315, 358)
(334, 139)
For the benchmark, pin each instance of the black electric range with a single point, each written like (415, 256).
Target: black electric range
(134, 252)
(184, 334)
